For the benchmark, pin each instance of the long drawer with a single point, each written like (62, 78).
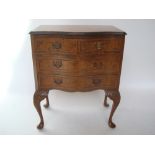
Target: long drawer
(107, 64)
(81, 83)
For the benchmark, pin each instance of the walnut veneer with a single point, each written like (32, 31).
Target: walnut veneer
(77, 58)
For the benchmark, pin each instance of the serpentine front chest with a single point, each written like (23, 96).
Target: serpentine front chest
(77, 58)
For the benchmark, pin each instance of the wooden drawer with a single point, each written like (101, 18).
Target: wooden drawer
(54, 66)
(101, 45)
(58, 82)
(47, 45)
(107, 64)
(98, 82)
(82, 83)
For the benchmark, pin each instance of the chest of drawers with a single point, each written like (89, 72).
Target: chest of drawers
(77, 58)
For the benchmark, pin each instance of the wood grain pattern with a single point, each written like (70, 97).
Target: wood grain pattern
(74, 83)
(49, 44)
(106, 64)
(102, 44)
(77, 60)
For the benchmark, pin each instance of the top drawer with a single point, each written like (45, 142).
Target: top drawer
(101, 45)
(47, 44)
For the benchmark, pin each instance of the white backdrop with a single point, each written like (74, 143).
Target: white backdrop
(17, 81)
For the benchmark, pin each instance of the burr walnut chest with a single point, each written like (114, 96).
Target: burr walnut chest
(77, 58)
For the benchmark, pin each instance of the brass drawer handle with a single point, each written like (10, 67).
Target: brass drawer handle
(58, 81)
(56, 45)
(98, 45)
(57, 63)
(96, 81)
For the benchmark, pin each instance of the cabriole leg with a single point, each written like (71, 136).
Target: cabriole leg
(115, 96)
(39, 95)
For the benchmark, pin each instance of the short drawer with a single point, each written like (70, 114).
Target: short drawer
(106, 64)
(47, 44)
(58, 82)
(100, 45)
(98, 82)
(57, 65)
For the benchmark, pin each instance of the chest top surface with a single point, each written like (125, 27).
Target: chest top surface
(77, 29)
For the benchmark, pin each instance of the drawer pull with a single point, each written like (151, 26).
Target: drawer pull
(56, 45)
(96, 81)
(58, 81)
(98, 45)
(57, 63)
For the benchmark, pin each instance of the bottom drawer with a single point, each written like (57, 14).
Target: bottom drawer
(81, 83)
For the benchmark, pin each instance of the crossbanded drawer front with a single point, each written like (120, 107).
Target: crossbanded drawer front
(109, 44)
(78, 83)
(99, 82)
(53, 66)
(49, 45)
(107, 64)
(58, 82)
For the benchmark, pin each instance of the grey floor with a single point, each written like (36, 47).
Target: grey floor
(80, 113)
